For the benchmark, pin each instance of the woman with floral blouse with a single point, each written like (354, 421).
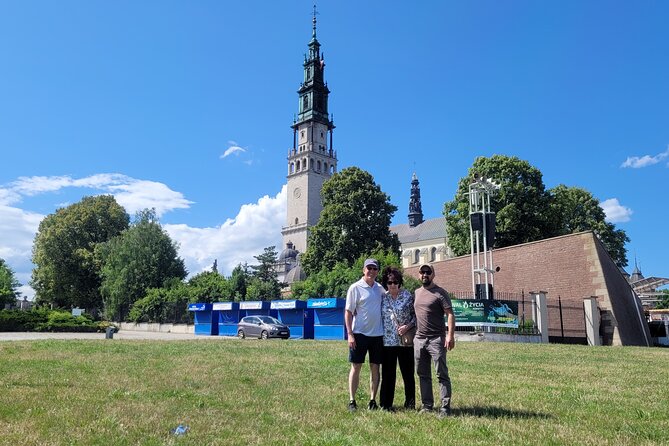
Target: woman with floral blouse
(398, 318)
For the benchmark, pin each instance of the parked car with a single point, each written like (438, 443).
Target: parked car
(262, 327)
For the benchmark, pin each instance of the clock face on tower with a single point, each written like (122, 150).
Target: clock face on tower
(297, 193)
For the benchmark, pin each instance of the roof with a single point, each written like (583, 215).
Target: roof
(649, 284)
(428, 230)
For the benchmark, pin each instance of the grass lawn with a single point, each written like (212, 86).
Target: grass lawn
(278, 392)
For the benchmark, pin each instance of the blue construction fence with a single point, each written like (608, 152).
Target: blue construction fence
(321, 318)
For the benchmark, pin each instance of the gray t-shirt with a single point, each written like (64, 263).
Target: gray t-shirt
(364, 302)
(431, 305)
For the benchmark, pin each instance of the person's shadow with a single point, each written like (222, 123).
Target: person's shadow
(496, 412)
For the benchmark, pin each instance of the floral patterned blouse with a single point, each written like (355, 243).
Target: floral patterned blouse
(400, 308)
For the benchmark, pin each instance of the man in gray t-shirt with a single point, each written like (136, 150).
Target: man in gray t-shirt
(432, 341)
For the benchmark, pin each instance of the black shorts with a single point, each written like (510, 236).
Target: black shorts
(373, 344)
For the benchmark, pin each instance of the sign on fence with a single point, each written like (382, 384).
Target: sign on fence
(485, 313)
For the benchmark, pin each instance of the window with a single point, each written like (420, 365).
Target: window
(296, 220)
(297, 166)
(318, 166)
(416, 256)
(292, 167)
(433, 254)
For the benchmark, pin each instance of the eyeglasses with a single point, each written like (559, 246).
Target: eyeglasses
(392, 282)
(372, 268)
(425, 273)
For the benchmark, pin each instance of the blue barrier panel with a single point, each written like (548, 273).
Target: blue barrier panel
(255, 307)
(228, 317)
(206, 320)
(328, 318)
(297, 316)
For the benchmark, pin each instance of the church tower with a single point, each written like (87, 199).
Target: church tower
(312, 159)
(415, 206)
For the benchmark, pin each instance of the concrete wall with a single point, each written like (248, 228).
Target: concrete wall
(157, 328)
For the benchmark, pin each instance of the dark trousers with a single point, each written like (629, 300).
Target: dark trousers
(391, 357)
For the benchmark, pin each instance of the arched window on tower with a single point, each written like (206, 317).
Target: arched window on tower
(416, 256)
(297, 166)
(318, 165)
(332, 169)
(296, 220)
(325, 167)
(433, 254)
(292, 167)
(305, 166)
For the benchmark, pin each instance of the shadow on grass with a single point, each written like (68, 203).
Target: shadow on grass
(497, 412)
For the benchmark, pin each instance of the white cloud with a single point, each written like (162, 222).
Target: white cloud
(233, 150)
(17, 232)
(255, 227)
(8, 196)
(141, 194)
(615, 212)
(637, 162)
(131, 193)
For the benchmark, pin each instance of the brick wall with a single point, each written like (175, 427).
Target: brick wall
(571, 267)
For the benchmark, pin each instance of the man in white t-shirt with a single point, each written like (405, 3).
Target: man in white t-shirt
(364, 328)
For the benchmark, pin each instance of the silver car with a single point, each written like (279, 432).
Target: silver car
(262, 327)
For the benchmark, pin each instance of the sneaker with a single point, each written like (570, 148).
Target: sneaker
(372, 405)
(426, 409)
(444, 412)
(352, 406)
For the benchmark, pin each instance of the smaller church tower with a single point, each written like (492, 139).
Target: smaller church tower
(415, 207)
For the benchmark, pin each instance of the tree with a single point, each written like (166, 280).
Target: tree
(355, 220)
(66, 274)
(8, 285)
(209, 286)
(521, 204)
(527, 212)
(264, 285)
(334, 282)
(164, 305)
(142, 257)
(575, 210)
(238, 281)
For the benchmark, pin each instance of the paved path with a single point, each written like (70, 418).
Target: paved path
(123, 334)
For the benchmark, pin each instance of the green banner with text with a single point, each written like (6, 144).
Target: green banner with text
(485, 313)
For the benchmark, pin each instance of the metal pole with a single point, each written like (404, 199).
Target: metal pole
(561, 322)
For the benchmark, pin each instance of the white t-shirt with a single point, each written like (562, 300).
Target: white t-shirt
(364, 302)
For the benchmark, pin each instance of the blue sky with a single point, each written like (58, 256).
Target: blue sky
(143, 99)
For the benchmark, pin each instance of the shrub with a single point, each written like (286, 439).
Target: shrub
(18, 320)
(60, 321)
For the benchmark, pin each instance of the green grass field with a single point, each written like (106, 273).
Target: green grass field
(294, 392)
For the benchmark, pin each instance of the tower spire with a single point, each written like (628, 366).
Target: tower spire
(415, 206)
(313, 33)
(312, 160)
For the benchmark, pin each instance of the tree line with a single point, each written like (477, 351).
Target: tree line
(91, 255)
